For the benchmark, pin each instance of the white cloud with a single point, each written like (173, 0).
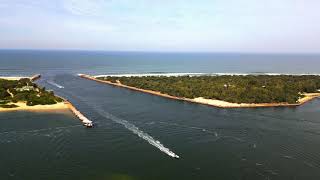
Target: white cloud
(231, 24)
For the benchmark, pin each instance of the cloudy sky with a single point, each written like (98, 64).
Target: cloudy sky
(162, 25)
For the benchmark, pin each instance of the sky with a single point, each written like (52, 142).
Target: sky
(276, 26)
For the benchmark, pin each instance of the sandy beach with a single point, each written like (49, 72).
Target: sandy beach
(217, 103)
(211, 102)
(12, 78)
(24, 107)
(16, 78)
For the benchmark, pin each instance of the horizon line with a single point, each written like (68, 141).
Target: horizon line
(157, 51)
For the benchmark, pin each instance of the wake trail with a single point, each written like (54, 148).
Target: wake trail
(137, 131)
(55, 84)
(131, 127)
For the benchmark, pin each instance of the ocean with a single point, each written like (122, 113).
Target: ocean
(135, 132)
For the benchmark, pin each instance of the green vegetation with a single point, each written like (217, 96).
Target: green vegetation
(24, 90)
(8, 105)
(235, 89)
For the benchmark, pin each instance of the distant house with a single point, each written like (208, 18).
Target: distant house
(25, 88)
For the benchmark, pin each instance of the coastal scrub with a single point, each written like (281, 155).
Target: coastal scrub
(24, 90)
(248, 89)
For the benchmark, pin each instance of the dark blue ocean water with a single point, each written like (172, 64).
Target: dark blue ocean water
(213, 143)
(14, 62)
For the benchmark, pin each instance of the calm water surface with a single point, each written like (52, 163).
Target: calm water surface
(213, 143)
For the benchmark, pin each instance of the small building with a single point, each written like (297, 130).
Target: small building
(25, 88)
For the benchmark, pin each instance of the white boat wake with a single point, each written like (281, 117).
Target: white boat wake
(55, 84)
(130, 127)
(138, 132)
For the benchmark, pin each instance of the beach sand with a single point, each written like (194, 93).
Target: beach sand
(13, 78)
(24, 107)
(211, 102)
(308, 97)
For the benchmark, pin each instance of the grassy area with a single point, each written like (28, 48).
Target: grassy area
(24, 90)
(235, 89)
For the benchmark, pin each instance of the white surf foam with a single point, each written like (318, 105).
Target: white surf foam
(151, 74)
(55, 84)
(202, 74)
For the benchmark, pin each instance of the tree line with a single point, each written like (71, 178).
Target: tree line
(230, 88)
(36, 96)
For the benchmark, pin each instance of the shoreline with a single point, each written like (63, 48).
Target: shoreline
(171, 74)
(61, 106)
(65, 105)
(17, 78)
(209, 102)
(13, 78)
(24, 107)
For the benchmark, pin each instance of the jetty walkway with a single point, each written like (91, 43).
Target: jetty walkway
(85, 121)
(35, 77)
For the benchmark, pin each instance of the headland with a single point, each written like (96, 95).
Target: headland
(21, 93)
(283, 98)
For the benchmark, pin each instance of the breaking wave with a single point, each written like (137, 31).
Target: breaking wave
(202, 74)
